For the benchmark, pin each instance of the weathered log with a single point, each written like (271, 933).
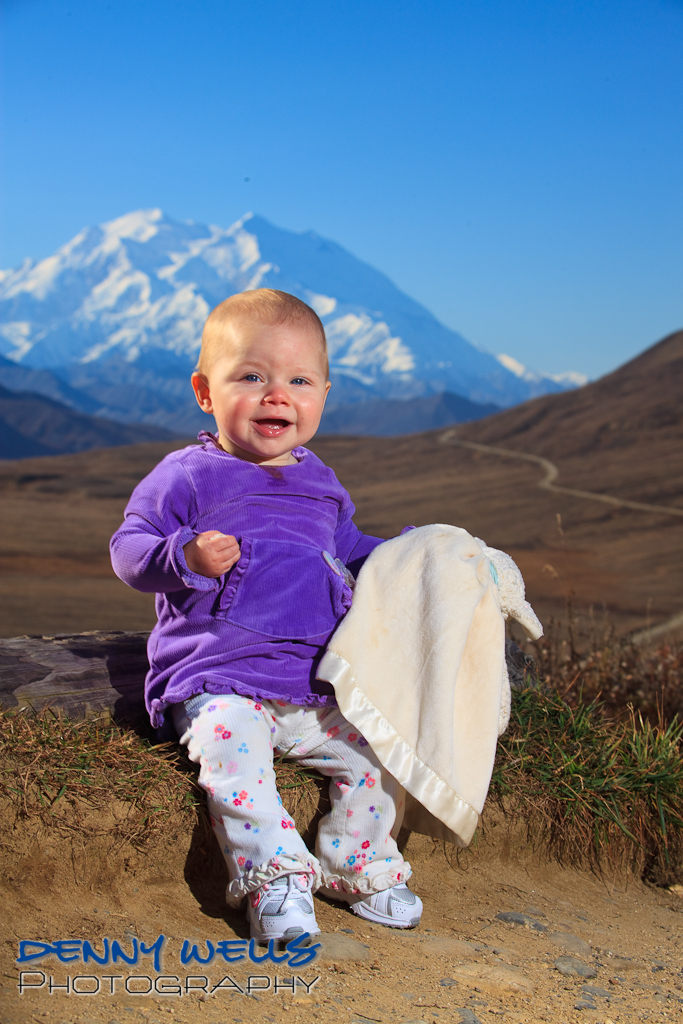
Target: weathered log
(82, 674)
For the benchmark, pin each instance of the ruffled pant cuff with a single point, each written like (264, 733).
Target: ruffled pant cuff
(339, 886)
(276, 867)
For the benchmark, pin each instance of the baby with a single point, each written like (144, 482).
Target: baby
(244, 538)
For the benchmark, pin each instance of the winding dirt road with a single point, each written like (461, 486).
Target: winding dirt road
(551, 473)
(547, 483)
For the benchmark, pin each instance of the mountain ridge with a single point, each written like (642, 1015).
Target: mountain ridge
(124, 302)
(625, 413)
(643, 391)
(35, 425)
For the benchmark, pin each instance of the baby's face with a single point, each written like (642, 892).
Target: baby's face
(266, 390)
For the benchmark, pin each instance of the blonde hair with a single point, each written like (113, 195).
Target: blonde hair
(265, 305)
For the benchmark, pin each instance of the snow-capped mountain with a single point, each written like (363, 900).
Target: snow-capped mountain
(117, 314)
(570, 379)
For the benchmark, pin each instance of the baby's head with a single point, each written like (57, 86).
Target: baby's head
(265, 306)
(263, 374)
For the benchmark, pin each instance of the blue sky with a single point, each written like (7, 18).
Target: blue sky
(514, 165)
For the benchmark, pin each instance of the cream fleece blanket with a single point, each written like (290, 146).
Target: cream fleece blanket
(418, 666)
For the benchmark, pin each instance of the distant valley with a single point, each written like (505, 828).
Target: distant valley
(31, 424)
(610, 566)
(34, 424)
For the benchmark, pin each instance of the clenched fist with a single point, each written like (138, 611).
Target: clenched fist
(211, 553)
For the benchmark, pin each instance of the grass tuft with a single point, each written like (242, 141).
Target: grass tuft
(593, 790)
(52, 768)
(587, 657)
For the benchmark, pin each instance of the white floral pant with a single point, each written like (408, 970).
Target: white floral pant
(233, 738)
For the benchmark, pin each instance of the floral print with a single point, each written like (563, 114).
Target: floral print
(232, 738)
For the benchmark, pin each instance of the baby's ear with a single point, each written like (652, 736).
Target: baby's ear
(200, 386)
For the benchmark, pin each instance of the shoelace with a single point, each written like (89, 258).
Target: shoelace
(289, 886)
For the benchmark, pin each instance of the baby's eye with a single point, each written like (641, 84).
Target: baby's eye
(254, 377)
(299, 380)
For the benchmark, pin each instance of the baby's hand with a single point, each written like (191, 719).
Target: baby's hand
(211, 553)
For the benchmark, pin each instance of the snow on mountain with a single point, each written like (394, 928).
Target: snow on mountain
(118, 312)
(514, 366)
(569, 379)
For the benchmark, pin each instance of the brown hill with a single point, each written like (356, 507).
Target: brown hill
(33, 424)
(622, 433)
(605, 534)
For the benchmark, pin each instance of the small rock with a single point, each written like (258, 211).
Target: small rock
(335, 946)
(504, 953)
(622, 963)
(449, 945)
(447, 982)
(466, 1016)
(594, 990)
(495, 979)
(515, 917)
(585, 1004)
(570, 967)
(570, 942)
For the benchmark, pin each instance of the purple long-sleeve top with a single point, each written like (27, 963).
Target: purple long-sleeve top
(261, 628)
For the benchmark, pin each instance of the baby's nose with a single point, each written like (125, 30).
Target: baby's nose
(277, 394)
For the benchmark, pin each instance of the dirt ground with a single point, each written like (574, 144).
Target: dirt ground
(569, 946)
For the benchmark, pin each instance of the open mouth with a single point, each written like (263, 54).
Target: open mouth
(271, 427)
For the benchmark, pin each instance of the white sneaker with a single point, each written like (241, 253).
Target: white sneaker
(282, 909)
(396, 907)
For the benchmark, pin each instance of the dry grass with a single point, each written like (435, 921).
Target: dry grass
(585, 659)
(52, 768)
(592, 758)
(593, 789)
